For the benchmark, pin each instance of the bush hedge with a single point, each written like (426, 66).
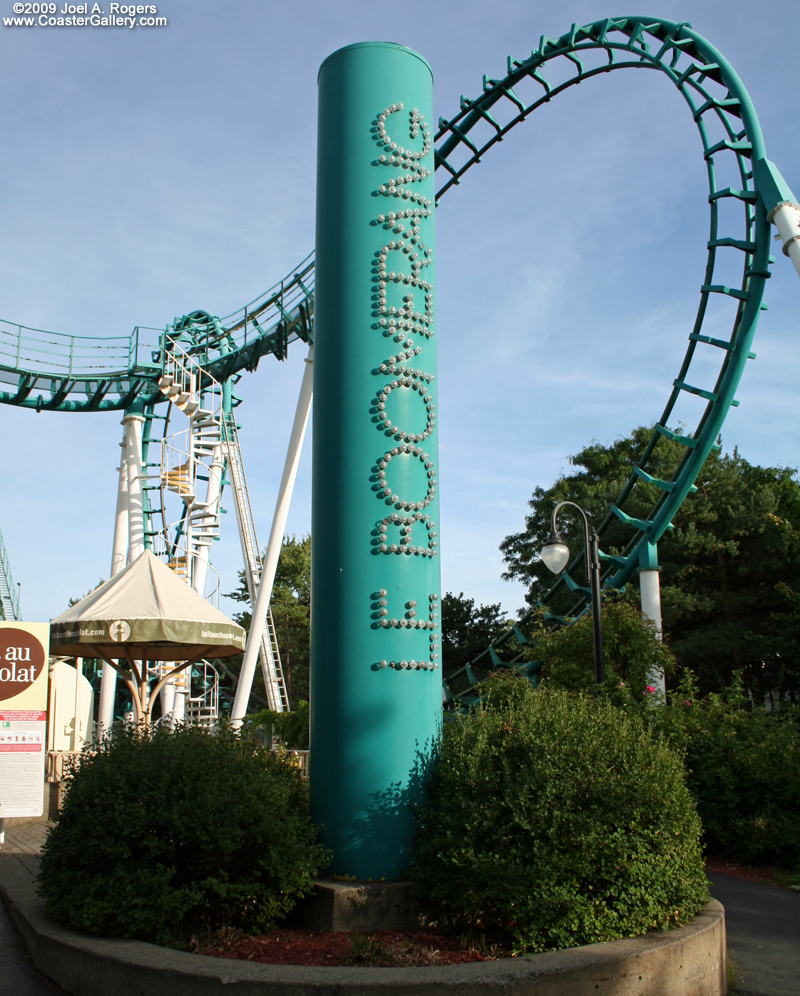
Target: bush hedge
(557, 820)
(743, 770)
(632, 649)
(163, 834)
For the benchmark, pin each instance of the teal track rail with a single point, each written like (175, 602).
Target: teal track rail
(50, 371)
(731, 137)
(72, 373)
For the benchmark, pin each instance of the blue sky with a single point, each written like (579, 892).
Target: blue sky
(148, 173)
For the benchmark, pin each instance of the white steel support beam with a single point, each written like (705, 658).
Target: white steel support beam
(259, 620)
(119, 557)
(650, 591)
(134, 425)
(201, 558)
(786, 218)
(181, 683)
(119, 551)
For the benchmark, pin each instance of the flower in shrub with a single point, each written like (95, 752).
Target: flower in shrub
(557, 819)
(167, 833)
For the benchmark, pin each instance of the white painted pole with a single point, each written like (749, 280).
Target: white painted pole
(135, 484)
(650, 591)
(119, 552)
(78, 738)
(136, 519)
(168, 698)
(259, 620)
(786, 218)
(119, 557)
(200, 572)
(180, 684)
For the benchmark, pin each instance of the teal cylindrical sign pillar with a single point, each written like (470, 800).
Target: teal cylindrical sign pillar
(376, 690)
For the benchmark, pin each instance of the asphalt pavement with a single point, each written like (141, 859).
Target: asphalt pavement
(18, 977)
(763, 924)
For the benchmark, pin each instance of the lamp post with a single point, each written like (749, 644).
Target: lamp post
(555, 554)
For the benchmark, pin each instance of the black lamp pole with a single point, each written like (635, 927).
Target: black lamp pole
(592, 554)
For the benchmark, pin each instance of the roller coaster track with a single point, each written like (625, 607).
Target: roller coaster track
(731, 135)
(50, 371)
(73, 373)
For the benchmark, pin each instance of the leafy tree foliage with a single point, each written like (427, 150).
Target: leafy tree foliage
(632, 652)
(467, 630)
(743, 766)
(599, 476)
(291, 610)
(730, 580)
(291, 728)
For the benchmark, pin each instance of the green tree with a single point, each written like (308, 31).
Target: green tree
(730, 577)
(467, 630)
(632, 652)
(600, 474)
(291, 609)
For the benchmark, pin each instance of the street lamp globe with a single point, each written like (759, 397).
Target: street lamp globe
(555, 553)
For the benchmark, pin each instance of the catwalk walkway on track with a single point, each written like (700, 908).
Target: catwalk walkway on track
(763, 924)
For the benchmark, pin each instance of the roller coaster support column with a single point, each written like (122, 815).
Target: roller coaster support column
(781, 206)
(650, 593)
(375, 685)
(259, 620)
(133, 423)
(201, 559)
(119, 558)
(119, 553)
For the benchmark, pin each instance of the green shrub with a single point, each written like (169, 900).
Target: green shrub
(632, 651)
(166, 833)
(557, 820)
(744, 772)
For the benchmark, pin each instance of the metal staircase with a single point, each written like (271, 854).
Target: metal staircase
(188, 457)
(9, 602)
(202, 706)
(269, 654)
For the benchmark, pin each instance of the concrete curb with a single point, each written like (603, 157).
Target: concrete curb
(686, 962)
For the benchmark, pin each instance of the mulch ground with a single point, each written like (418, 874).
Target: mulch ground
(386, 948)
(381, 948)
(752, 873)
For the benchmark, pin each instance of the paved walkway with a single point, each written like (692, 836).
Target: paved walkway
(19, 977)
(763, 924)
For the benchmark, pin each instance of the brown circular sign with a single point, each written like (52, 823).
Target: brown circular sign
(21, 661)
